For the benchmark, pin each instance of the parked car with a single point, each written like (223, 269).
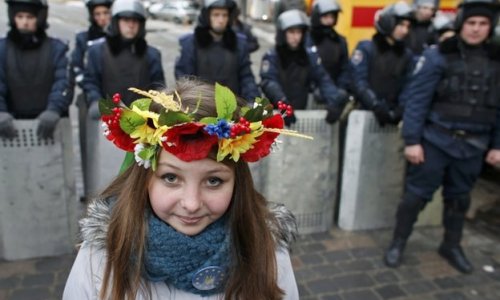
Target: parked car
(181, 12)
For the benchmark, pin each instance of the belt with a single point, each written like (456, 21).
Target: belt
(456, 133)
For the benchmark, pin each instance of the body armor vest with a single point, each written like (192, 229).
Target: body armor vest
(469, 90)
(218, 64)
(122, 72)
(386, 73)
(30, 76)
(294, 82)
(330, 53)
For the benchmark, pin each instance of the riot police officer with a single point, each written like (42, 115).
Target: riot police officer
(331, 46)
(214, 52)
(288, 69)
(422, 32)
(99, 17)
(33, 77)
(451, 120)
(381, 66)
(123, 60)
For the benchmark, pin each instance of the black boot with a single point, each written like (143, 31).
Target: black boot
(393, 255)
(406, 216)
(456, 257)
(453, 221)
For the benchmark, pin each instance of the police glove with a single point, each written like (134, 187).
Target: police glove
(382, 114)
(94, 112)
(7, 128)
(396, 115)
(47, 122)
(333, 114)
(289, 120)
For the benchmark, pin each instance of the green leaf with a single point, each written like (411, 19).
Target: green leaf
(127, 162)
(142, 104)
(244, 110)
(208, 120)
(171, 118)
(225, 102)
(130, 120)
(106, 107)
(147, 153)
(254, 114)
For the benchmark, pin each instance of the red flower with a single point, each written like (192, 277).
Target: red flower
(116, 135)
(262, 147)
(189, 141)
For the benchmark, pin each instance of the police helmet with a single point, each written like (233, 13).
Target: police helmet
(321, 7)
(289, 19)
(127, 9)
(91, 4)
(387, 19)
(434, 3)
(37, 7)
(204, 16)
(442, 23)
(470, 8)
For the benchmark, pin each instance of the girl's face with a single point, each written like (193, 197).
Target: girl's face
(189, 196)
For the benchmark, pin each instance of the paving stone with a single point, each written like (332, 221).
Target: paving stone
(322, 286)
(366, 252)
(360, 295)
(313, 247)
(418, 287)
(390, 291)
(311, 259)
(331, 297)
(475, 278)
(304, 275)
(30, 294)
(303, 291)
(437, 269)
(352, 281)
(455, 295)
(54, 263)
(408, 273)
(320, 236)
(385, 277)
(9, 282)
(336, 256)
(447, 283)
(45, 279)
(326, 270)
(356, 265)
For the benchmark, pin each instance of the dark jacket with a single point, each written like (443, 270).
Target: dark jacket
(57, 101)
(419, 118)
(185, 65)
(92, 80)
(76, 63)
(272, 86)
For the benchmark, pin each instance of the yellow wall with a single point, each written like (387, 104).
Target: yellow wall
(355, 34)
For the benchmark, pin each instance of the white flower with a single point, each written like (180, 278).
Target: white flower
(141, 162)
(276, 145)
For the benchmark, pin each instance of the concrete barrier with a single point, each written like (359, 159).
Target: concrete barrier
(39, 208)
(302, 174)
(373, 176)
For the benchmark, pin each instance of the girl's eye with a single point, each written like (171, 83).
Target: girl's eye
(169, 177)
(214, 181)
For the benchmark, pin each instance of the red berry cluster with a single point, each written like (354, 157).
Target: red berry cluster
(114, 118)
(242, 127)
(117, 98)
(286, 107)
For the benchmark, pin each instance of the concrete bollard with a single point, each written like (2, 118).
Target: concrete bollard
(39, 208)
(302, 174)
(373, 176)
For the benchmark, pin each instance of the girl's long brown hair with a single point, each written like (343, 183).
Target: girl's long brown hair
(254, 271)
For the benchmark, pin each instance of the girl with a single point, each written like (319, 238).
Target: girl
(184, 220)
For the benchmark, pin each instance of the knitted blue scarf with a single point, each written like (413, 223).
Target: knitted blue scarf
(179, 259)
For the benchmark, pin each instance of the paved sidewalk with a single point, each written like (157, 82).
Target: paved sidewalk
(332, 265)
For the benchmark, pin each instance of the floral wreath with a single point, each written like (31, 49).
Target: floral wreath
(139, 130)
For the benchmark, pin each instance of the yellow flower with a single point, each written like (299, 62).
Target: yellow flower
(239, 144)
(146, 134)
